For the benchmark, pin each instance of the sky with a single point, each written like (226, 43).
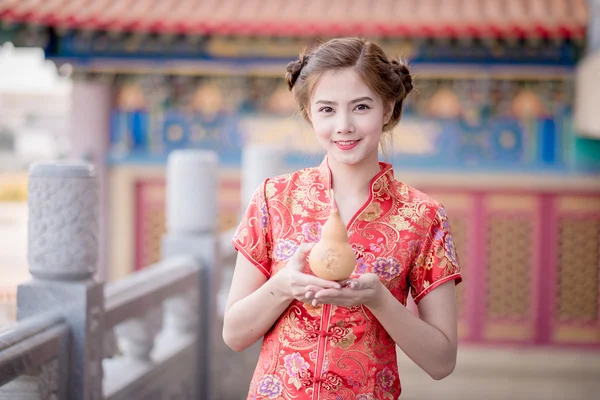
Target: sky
(26, 70)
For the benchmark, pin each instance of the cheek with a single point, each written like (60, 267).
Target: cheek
(372, 125)
(322, 128)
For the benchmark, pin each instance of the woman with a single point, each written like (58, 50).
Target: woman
(337, 340)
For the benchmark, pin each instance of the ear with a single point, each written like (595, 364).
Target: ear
(389, 109)
(307, 115)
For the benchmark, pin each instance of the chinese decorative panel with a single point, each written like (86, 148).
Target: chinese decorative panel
(150, 222)
(576, 316)
(509, 267)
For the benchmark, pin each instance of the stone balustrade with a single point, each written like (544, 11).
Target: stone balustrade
(146, 336)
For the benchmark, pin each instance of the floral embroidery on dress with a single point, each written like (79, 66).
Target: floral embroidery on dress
(387, 268)
(372, 212)
(295, 364)
(264, 216)
(361, 266)
(285, 249)
(312, 231)
(270, 386)
(327, 351)
(385, 379)
(450, 250)
(270, 189)
(366, 396)
(400, 223)
(377, 247)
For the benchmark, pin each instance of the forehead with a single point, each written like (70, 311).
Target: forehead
(341, 85)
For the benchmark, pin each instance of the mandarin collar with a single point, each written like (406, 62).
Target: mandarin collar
(385, 175)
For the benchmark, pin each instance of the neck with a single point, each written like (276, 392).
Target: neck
(352, 180)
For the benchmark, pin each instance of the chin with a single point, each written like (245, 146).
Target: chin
(347, 159)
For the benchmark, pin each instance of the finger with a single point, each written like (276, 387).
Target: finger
(307, 281)
(311, 282)
(309, 295)
(366, 281)
(301, 254)
(315, 288)
(303, 250)
(345, 282)
(327, 293)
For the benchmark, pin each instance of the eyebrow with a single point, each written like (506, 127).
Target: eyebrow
(358, 100)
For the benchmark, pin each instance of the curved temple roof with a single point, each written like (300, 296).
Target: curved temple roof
(479, 18)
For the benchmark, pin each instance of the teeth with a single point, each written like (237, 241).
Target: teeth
(348, 142)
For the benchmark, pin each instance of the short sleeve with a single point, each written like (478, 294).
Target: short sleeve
(253, 235)
(436, 261)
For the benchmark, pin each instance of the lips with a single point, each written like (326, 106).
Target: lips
(346, 144)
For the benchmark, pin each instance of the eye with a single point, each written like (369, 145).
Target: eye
(326, 109)
(362, 107)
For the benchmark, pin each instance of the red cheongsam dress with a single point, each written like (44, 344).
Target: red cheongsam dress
(331, 352)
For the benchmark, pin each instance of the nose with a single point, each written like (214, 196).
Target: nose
(344, 124)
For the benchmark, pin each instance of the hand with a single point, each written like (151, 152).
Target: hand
(293, 283)
(365, 290)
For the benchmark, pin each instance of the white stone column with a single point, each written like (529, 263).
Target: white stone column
(587, 96)
(259, 162)
(63, 205)
(593, 28)
(89, 134)
(587, 79)
(62, 254)
(191, 192)
(192, 220)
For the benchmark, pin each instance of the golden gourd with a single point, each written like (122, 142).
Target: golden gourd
(332, 257)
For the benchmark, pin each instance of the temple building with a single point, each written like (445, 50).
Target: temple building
(492, 129)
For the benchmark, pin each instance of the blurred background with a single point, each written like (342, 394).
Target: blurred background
(503, 128)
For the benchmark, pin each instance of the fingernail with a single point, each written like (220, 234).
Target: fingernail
(314, 303)
(308, 295)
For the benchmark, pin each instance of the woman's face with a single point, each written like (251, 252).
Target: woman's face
(347, 117)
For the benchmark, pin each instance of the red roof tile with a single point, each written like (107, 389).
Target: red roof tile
(310, 17)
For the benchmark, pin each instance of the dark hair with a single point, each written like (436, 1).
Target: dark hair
(388, 78)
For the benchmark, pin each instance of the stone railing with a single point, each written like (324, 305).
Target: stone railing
(144, 337)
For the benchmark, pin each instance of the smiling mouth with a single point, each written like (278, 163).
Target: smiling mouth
(346, 145)
(346, 142)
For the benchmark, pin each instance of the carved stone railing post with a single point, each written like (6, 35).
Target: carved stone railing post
(181, 313)
(259, 162)
(136, 336)
(62, 254)
(192, 222)
(25, 387)
(40, 384)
